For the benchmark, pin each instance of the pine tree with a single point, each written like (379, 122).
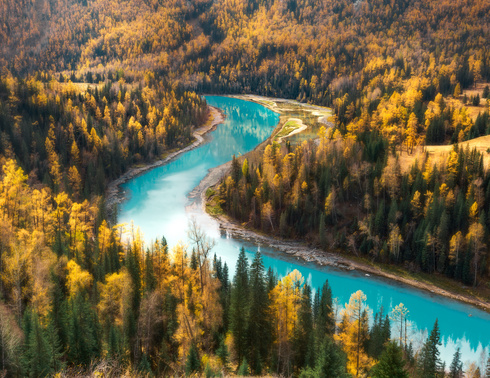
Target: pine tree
(391, 363)
(258, 326)
(243, 369)
(378, 335)
(332, 360)
(193, 363)
(83, 332)
(324, 317)
(456, 368)
(37, 357)
(239, 308)
(55, 350)
(429, 362)
(222, 353)
(303, 339)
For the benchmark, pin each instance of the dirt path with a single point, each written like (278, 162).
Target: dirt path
(114, 194)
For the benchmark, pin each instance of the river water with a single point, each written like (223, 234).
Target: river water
(158, 204)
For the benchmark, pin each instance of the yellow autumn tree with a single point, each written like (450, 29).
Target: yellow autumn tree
(285, 304)
(353, 334)
(77, 280)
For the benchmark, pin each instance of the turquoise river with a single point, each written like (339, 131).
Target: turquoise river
(158, 203)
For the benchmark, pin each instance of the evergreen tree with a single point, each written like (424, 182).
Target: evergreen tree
(429, 362)
(240, 306)
(55, 349)
(303, 338)
(193, 363)
(243, 369)
(258, 333)
(378, 335)
(391, 363)
(37, 356)
(222, 353)
(332, 360)
(324, 317)
(456, 368)
(83, 332)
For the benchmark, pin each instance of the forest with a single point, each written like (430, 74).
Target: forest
(79, 298)
(90, 88)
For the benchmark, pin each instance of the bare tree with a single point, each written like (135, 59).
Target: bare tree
(203, 245)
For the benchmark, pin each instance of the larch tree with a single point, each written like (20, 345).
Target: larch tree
(354, 332)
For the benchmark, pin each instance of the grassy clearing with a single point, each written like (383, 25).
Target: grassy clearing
(290, 126)
(439, 154)
(213, 206)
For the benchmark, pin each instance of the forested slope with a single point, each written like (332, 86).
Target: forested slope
(88, 88)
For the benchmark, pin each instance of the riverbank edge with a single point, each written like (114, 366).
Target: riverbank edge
(335, 260)
(311, 254)
(114, 195)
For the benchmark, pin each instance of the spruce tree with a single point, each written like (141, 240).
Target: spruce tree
(83, 332)
(303, 338)
(378, 335)
(240, 306)
(429, 362)
(243, 369)
(324, 316)
(193, 363)
(37, 356)
(391, 363)
(258, 325)
(456, 368)
(332, 361)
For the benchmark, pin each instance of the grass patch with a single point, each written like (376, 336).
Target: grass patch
(210, 192)
(288, 127)
(213, 203)
(214, 208)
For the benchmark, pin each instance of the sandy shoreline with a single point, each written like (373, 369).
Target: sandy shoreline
(114, 194)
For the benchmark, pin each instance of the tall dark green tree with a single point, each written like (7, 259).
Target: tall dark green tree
(331, 361)
(379, 334)
(324, 317)
(83, 332)
(259, 328)
(239, 308)
(391, 363)
(303, 338)
(37, 356)
(429, 363)
(192, 363)
(456, 368)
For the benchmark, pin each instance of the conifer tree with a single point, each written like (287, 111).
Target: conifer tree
(37, 356)
(456, 368)
(258, 334)
(324, 316)
(192, 364)
(391, 363)
(332, 360)
(239, 307)
(429, 362)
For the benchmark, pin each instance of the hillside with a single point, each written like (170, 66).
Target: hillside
(92, 88)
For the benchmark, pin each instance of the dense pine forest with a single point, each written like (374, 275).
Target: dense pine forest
(89, 88)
